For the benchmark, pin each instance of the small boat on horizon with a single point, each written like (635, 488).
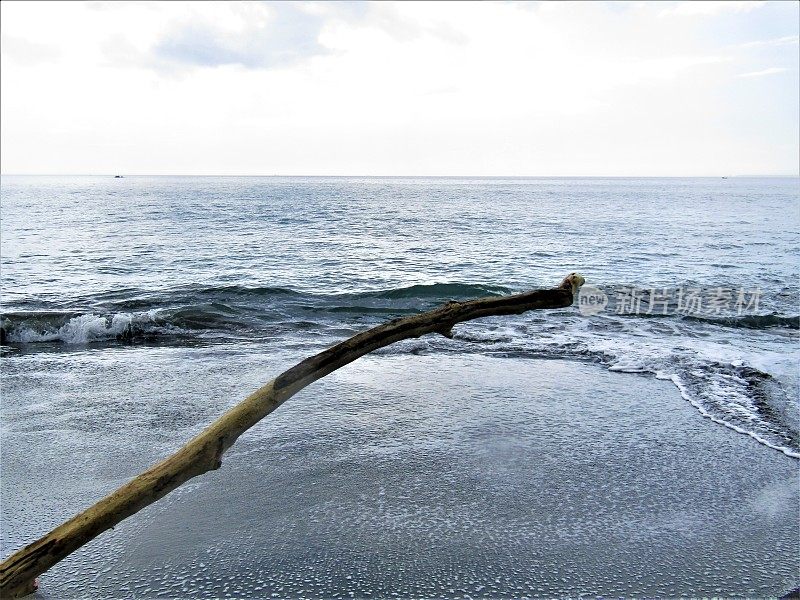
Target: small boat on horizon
(118, 177)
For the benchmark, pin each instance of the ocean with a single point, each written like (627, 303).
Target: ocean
(92, 263)
(135, 309)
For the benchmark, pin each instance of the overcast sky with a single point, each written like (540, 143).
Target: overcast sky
(638, 88)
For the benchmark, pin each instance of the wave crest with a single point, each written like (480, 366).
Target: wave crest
(442, 290)
(80, 329)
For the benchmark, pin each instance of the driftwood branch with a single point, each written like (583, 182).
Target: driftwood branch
(18, 572)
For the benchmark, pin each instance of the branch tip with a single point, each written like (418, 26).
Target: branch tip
(573, 282)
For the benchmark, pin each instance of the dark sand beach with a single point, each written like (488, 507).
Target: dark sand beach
(401, 476)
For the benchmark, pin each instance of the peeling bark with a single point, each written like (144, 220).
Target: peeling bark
(203, 453)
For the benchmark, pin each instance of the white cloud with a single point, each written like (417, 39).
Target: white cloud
(694, 8)
(401, 88)
(786, 40)
(764, 72)
(26, 52)
(253, 35)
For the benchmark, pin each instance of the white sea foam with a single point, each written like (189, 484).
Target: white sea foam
(687, 396)
(77, 330)
(751, 388)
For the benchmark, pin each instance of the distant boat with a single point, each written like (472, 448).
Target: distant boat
(723, 177)
(117, 176)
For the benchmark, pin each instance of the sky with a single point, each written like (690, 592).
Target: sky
(351, 88)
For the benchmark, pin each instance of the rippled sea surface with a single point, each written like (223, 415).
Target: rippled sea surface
(135, 310)
(95, 262)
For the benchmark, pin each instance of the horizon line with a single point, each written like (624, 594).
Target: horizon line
(350, 176)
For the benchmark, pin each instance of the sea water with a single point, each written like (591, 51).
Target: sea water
(143, 306)
(92, 263)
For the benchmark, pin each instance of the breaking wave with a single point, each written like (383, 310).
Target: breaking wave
(704, 357)
(239, 310)
(30, 328)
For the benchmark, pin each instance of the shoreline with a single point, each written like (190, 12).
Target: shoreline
(418, 474)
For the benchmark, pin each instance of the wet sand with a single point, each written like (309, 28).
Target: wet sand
(403, 476)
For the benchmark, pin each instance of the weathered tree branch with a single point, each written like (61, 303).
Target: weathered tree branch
(204, 453)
